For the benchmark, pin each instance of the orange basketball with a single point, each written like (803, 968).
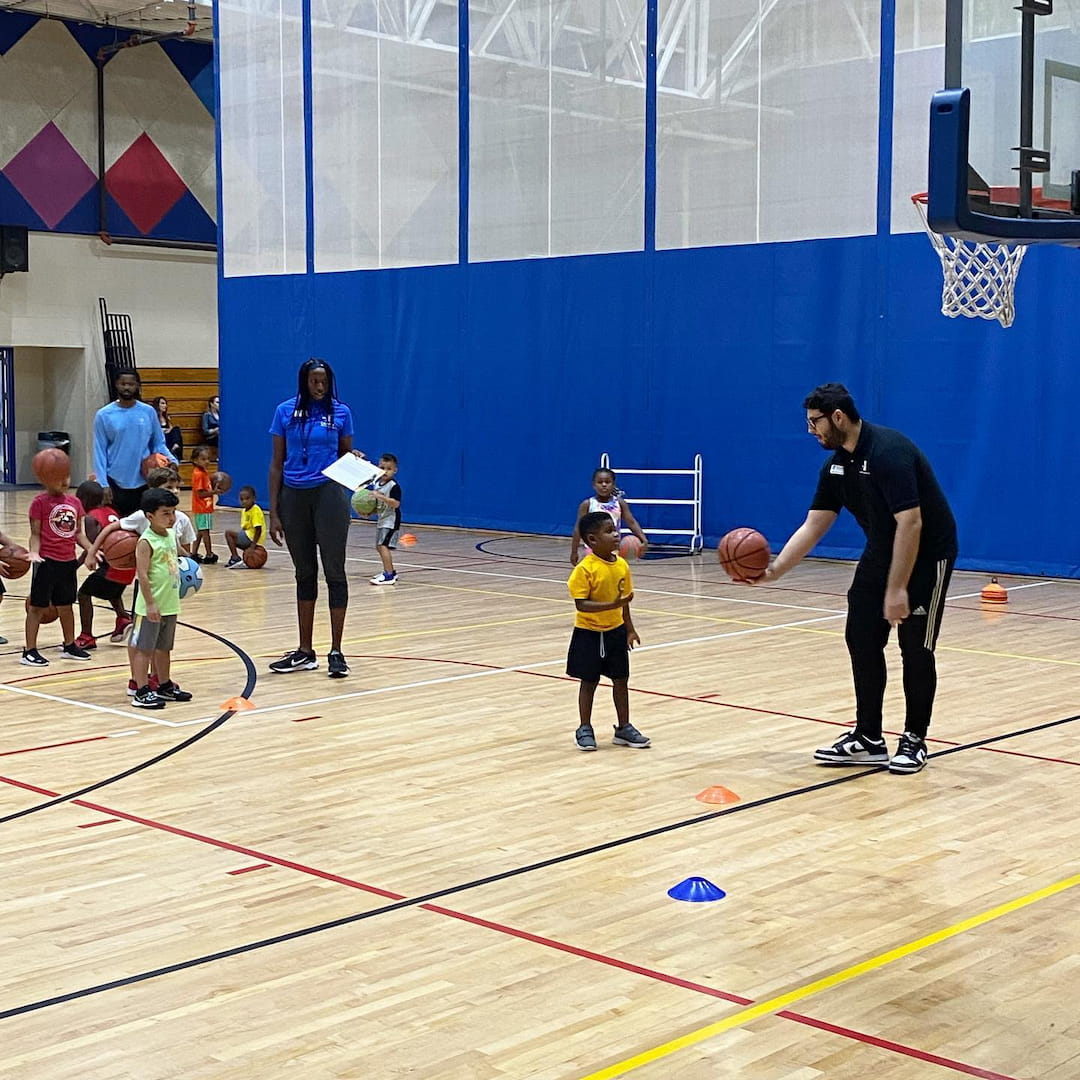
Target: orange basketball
(52, 467)
(407, 540)
(255, 556)
(154, 461)
(119, 549)
(220, 482)
(630, 546)
(50, 613)
(744, 554)
(16, 559)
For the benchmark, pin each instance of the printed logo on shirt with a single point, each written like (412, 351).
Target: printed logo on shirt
(63, 521)
(865, 470)
(836, 470)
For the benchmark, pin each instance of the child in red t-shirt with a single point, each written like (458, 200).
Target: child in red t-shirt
(56, 526)
(106, 582)
(202, 504)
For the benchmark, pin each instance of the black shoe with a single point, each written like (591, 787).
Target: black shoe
(169, 691)
(295, 661)
(910, 756)
(73, 652)
(628, 735)
(853, 749)
(147, 699)
(211, 558)
(336, 665)
(33, 658)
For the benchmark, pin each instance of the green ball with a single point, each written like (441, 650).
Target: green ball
(364, 502)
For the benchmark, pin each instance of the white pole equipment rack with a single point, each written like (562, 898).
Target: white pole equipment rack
(694, 542)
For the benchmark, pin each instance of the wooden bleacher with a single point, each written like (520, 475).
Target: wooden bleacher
(187, 391)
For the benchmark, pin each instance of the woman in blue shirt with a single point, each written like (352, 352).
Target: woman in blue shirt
(310, 431)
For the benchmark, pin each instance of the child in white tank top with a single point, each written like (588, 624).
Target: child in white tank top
(609, 499)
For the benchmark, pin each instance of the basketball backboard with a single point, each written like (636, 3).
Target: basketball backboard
(1005, 130)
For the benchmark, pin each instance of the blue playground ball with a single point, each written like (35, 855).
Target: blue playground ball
(190, 576)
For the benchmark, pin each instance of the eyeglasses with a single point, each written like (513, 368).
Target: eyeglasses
(812, 421)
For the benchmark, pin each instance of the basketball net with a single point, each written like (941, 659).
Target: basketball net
(979, 278)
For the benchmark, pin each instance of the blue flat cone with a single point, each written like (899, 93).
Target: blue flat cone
(696, 890)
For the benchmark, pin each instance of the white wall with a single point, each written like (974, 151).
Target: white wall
(50, 316)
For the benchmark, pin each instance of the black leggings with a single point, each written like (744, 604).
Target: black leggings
(867, 633)
(317, 520)
(126, 501)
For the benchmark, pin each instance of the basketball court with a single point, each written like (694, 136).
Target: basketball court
(249, 893)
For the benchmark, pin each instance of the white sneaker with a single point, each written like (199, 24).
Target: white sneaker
(385, 579)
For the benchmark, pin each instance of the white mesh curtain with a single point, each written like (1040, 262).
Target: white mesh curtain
(767, 114)
(384, 133)
(263, 189)
(557, 127)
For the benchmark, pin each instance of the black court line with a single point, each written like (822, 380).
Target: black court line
(503, 875)
(249, 686)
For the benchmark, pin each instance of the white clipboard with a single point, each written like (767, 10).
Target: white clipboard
(352, 472)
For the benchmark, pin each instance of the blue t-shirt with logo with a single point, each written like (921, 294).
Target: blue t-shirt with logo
(311, 444)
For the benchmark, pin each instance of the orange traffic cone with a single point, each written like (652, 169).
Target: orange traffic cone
(994, 593)
(237, 704)
(717, 796)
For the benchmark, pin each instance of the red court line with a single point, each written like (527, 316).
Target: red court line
(95, 824)
(52, 746)
(526, 936)
(248, 869)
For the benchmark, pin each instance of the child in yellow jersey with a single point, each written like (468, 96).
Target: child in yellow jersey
(252, 528)
(604, 633)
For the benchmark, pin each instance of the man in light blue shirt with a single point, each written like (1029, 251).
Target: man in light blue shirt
(126, 432)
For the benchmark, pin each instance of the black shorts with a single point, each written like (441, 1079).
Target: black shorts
(99, 586)
(594, 653)
(54, 583)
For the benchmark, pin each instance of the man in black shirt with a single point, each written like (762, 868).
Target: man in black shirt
(884, 479)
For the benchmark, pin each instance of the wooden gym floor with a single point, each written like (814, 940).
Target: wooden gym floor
(413, 873)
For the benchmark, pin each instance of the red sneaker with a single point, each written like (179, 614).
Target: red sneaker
(152, 682)
(120, 630)
(86, 641)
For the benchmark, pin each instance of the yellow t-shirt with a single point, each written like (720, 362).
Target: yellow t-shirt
(251, 519)
(595, 579)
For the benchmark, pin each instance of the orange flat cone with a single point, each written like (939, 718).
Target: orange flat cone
(237, 704)
(717, 796)
(994, 593)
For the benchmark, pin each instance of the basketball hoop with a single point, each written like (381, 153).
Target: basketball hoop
(979, 278)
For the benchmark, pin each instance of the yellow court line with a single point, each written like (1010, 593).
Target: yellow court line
(776, 1004)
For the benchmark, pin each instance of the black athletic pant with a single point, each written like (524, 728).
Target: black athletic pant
(316, 524)
(126, 501)
(867, 634)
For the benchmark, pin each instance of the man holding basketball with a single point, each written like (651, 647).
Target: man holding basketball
(901, 580)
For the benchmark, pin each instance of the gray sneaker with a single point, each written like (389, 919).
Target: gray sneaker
(628, 735)
(585, 738)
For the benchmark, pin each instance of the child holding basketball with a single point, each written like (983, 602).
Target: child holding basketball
(202, 504)
(609, 499)
(56, 527)
(157, 603)
(387, 492)
(106, 582)
(252, 528)
(604, 634)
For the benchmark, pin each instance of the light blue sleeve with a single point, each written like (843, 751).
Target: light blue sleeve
(100, 435)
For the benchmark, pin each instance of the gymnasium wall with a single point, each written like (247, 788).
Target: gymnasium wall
(500, 382)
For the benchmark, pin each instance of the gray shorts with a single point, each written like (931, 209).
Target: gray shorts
(243, 541)
(154, 636)
(386, 537)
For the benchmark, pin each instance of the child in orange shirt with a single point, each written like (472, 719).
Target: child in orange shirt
(202, 504)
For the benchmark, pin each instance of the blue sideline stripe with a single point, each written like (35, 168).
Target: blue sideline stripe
(886, 80)
(651, 24)
(309, 137)
(216, 60)
(463, 132)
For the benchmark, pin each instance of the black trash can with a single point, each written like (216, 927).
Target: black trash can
(59, 440)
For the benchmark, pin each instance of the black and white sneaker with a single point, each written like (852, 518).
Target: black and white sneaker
(628, 735)
(910, 756)
(295, 661)
(33, 658)
(337, 666)
(853, 749)
(584, 738)
(73, 652)
(169, 691)
(145, 698)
